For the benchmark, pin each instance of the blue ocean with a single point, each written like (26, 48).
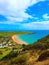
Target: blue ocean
(31, 38)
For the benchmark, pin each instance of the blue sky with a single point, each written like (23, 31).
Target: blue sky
(24, 14)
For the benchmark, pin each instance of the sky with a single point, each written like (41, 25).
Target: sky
(24, 14)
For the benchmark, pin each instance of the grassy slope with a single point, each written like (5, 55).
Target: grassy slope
(30, 54)
(5, 51)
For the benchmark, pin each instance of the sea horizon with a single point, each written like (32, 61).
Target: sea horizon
(21, 30)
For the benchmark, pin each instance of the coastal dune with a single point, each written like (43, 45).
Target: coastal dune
(18, 41)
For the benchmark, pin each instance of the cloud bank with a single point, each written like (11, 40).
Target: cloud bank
(14, 10)
(37, 25)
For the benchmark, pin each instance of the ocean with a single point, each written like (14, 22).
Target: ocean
(32, 38)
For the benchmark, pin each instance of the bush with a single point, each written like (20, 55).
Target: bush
(43, 56)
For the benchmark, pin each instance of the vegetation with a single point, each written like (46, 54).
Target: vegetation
(6, 42)
(4, 52)
(28, 54)
(13, 33)
(44, 55)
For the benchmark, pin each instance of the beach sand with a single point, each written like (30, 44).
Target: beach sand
(18, 41)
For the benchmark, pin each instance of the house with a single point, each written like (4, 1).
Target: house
(1, 45)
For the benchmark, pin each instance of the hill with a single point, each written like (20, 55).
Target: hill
(34, 54)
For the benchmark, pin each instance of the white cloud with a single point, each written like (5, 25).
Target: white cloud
(7, 22)
(45, 16)
(19, 17)
(16, 8)
(36, 25)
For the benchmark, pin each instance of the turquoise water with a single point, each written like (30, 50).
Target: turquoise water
(31, 38)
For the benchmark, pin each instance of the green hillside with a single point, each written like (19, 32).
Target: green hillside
(30, 54)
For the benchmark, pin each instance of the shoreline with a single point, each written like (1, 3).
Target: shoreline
(18, 41)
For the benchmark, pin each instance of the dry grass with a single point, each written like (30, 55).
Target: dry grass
(35, 54)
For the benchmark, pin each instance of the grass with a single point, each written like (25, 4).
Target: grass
(44, 55)
(4, 52)
(29, 54)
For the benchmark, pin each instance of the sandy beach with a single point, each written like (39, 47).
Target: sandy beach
(18, 41)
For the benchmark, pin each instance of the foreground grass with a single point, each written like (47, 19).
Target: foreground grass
(4, 52)
(30, 55)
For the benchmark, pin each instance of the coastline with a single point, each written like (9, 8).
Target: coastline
(18, 41)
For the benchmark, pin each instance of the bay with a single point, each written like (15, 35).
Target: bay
(31, 38)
